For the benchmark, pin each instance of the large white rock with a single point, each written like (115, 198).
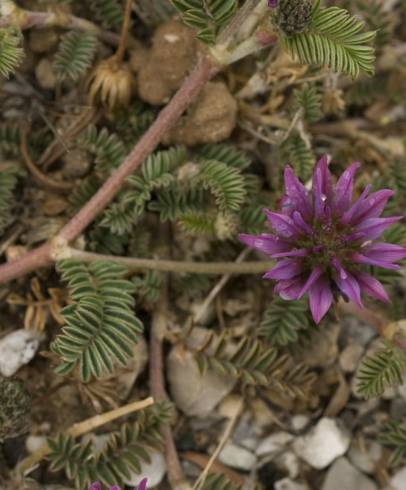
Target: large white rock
(154, 471)
(343, 476)
(398, 480)
(323, 443)
(237, 457)
(193, 393)
(17, 349)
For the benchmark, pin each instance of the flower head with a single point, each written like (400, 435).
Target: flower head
(97, 485)
(272, 3)
(322, 241)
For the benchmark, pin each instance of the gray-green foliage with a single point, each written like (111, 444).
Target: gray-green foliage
(335, 39)
(284, 321)
(8, 182)
(75, 54)
(207, 16)
(101, 328)
(381, 369)
(123, 453)
(15, 406)
(11, 52)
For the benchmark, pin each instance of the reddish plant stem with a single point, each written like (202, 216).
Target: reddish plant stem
(156, 370)
(191, 87)
(40, 257)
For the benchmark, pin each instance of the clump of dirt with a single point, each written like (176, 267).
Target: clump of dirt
(162, 68)
(210, 119)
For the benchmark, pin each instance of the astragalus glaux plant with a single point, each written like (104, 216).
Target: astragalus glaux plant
(323, 242)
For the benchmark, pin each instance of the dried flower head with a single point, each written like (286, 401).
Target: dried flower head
(291, 16)
(112, 83)
(14, 408)
(97, 485)
(322, 241)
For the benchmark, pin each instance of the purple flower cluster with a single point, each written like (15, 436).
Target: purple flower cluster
(322, 241)
(97, 486)
(272, 3)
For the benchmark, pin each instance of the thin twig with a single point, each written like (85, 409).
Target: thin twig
(36, 172)
(124, 31)
(218, 287)
(134, 264)
(224, 438)
(82, 428)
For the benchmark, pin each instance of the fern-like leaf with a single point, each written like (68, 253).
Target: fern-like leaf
(227, 154)
(309, 100)
(296, 152)
(384, 368)
(283, 321)
(394, 436)
(9, 140)
(11, 54)
(219, 482)
(225, 182)
(101, 327)
(207, 16)
(254, 363)
(108, 149)
(75, 54)
(108, 12)
(334, 39)
(8, 182)
(123, 453)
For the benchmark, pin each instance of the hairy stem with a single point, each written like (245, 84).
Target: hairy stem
(134, 264)
(167, 118)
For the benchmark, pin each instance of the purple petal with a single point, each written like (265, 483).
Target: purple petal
(282, 224)
(320, 298)
(374, 227)
(299, 252)
(265, 243)
(371, 286)
(372, 206)
(284, 269)
(344, 188)
(387, 252)
(322, 187)
(296, 192)
(300, 223)
(339, 268)
(347, 216)
(143, 484)
(272, 3)
(349, 287)
(95, 486)
(316, 273)
(363, 259)
(289, 289)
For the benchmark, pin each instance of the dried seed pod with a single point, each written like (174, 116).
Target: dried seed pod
(112, 83)
(292, 16)
(14, 408)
